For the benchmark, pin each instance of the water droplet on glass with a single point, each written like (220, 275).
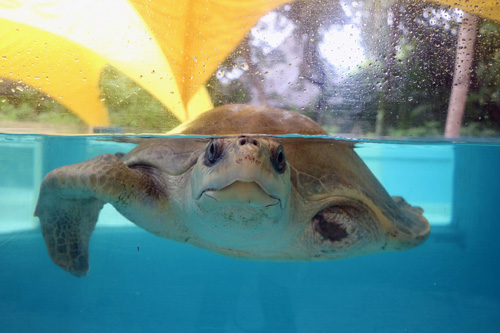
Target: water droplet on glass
(221, 73)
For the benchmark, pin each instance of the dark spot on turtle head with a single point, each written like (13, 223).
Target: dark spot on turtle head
(327, 224)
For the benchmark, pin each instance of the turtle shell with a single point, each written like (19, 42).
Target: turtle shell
(238, 119)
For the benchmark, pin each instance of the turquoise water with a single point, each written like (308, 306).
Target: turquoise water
(139, 282)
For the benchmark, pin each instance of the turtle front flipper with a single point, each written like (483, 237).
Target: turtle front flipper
(66, 227)
(71, 198)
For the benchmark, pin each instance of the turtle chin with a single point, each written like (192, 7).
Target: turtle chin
(241, 205)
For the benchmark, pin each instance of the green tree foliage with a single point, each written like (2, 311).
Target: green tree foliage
(401, 89)
(131, 108)
(19, 102)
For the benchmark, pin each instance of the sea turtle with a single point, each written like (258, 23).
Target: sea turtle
(238, 191)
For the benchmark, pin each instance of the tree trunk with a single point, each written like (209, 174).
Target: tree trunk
(461, 76)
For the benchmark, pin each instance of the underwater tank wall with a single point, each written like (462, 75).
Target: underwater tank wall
(138, 281)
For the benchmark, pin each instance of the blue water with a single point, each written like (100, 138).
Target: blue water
(139, 282)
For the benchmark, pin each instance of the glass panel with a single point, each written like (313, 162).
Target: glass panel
(396, 81)
(365, 68)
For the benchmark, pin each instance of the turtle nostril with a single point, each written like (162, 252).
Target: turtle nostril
(244, 140)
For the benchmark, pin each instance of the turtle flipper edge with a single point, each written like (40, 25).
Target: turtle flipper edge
(410, 229)
(69, 203)
(66, 227)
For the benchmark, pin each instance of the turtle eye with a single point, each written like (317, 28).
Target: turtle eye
(213, 153)
(278, 159)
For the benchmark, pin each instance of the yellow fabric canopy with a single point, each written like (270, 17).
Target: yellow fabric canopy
(489, 9)
(67, 71)
(111, 31)
(169, 47)
(196, 36)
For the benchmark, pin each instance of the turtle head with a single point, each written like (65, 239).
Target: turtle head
(240, 187)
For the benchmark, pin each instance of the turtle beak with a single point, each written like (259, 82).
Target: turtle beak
(243, 193)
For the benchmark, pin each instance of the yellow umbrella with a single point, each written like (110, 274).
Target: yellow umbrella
(489, 9)
(110, 31)
(43, 39)
(196, 36)
(65, 70)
